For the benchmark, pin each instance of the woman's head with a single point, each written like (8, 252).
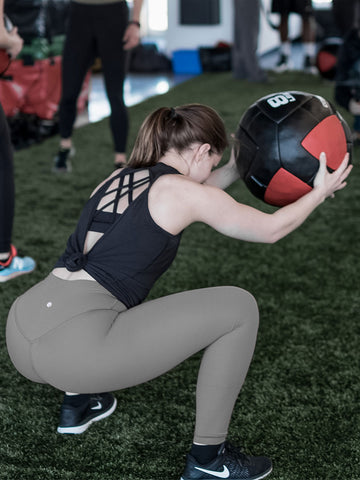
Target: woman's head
(177, 129)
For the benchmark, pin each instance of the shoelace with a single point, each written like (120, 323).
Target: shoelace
(236, 454)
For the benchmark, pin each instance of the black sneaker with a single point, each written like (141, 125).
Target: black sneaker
(77, 419)
(283, 64)
(309, 65)
(62, 163)
(230, 463)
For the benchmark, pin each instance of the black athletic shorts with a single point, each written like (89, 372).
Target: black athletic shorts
(303, 7)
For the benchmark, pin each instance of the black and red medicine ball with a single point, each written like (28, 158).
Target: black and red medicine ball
(280, 140)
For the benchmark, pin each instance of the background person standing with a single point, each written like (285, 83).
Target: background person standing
(11, 265)
(303, 8)
(96, 28)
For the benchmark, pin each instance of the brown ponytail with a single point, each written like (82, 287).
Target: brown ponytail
(177, 128)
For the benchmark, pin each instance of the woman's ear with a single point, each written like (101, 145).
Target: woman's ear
(204, 148)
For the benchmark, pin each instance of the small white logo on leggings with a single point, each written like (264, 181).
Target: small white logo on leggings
(224, 474)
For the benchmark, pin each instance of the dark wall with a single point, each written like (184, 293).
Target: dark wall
(346, 14)
(199, 12)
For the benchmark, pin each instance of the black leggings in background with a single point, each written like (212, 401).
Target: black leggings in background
(95, 31)
(7, 189)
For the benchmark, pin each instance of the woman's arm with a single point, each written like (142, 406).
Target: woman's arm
(132, 33)
(9, 41)
(246, 223)
(224, 176)
(176, 202)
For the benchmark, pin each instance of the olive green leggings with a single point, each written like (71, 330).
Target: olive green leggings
(76, 336)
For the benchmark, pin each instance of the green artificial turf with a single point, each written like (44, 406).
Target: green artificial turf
(300, 401)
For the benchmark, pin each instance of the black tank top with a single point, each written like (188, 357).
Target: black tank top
(133, 251)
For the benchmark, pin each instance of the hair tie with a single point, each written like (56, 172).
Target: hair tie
(172, 113)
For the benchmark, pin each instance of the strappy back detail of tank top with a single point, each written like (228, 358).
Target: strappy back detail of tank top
(117, 197)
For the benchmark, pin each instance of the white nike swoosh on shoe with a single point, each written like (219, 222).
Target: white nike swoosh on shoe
(97, 407)
(224, 474)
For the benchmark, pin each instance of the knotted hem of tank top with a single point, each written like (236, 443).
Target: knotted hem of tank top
(76, 261)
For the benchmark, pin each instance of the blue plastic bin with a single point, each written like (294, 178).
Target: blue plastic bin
(186, 61)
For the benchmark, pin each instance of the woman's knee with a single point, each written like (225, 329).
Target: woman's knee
(244, 304)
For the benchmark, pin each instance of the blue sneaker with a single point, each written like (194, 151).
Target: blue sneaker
(230, 463)
(15, 266)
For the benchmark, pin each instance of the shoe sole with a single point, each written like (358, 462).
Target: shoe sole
(14, 275)
(85, 426)
(264, 475)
